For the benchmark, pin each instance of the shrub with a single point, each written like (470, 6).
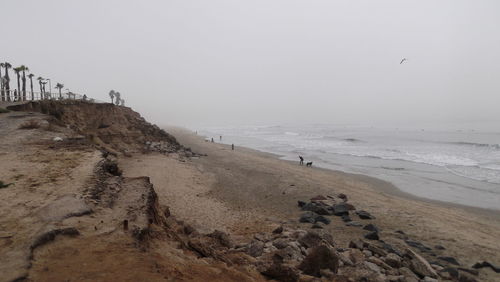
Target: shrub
(30, 124)
(3, 111)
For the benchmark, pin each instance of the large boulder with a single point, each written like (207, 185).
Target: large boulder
(340, 209)
(320, 257)
(419, 265)
(282, 272)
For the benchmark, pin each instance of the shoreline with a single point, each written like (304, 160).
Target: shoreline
(381, 185)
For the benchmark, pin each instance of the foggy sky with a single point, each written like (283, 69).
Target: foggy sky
(212, 62)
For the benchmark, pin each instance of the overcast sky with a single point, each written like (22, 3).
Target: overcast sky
(213, 62)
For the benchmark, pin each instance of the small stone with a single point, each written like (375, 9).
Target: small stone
(322, 219)
(340, 209)
(255, 248)
(346, 218)
(364, 215)
(278, 230)
(451, 260)
(439, 247)
(393, 260)
(371, 227)
(372, 266)
(372, 236)
(419, 265)
(308, 217)
(354, 223)
(301, 203)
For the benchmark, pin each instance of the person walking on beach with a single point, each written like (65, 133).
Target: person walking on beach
(232, 147)
(301, 160)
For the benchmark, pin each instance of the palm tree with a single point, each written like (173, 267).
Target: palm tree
(7, 66)
(31, 86)
(117, 98)
(40, 79)
(112, 95)
(1, 83)
(43, 87)
(17, 96)
(59, 86)
(24, 69)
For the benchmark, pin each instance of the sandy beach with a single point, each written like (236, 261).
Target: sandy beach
(245, 191)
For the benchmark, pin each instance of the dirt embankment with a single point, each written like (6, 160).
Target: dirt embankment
(116, 129)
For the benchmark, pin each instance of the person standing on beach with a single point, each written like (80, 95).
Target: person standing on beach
(220, 138)
(232, 147)
(301, 160)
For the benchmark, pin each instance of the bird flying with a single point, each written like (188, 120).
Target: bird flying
(404, 59)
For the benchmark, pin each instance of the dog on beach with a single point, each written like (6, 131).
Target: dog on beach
(309, 164)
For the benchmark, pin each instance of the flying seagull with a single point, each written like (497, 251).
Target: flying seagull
(404, 59)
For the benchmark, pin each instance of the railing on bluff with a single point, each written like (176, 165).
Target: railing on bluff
(13, 96)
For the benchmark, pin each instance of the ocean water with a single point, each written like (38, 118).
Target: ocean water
(459, 166)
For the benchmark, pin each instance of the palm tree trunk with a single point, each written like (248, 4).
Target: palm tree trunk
(41, 90)
(60, 95)
(1, 85)
(18, 95)
(31, 86)
(24, 85)
(7, 83)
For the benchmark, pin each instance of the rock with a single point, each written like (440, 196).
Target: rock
(282, 272)
(406, 272)
(449, 273)
(255, 248)
(340, 209)
(342, 196)
(367, 253)
(451, 260)
(400, 232)
(280, 243)
(470, 271)
(421, 247)
(301, 203)
(419, 265)
(356, 256)
(364, 215)
(482, 264)
(439, 247)
(316, 208)
(393, 260)
(371, 227)
(290, 253)
(320, 257)
(318, 198)
(372, 266)
(323, 219)
(354, 223)
(261, 237)
(278, 230)
(379, 263)
(318, 225)
(391, 249)
(57, 139)
(313, 239)
(344, 258)
(349, 206)
(308, 217)
(429, 279)
(222, 238)
(357, 244)
(346, 218)
(377, 250)
(372, 236)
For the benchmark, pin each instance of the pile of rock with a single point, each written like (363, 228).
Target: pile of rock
(161, 147)
(319, 207)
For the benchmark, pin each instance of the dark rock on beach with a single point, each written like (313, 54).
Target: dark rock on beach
(451, 260)
(482, 264)
(371, 227)
(364, 215)
(372, 235)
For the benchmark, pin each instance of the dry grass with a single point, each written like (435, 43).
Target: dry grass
(30, 124)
